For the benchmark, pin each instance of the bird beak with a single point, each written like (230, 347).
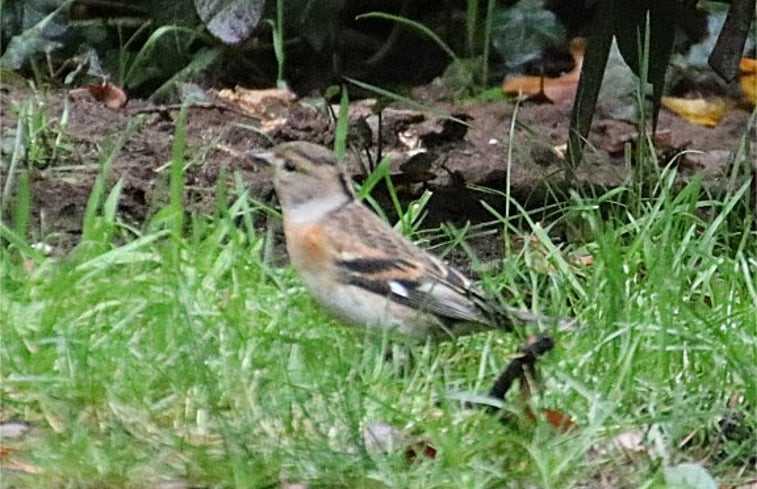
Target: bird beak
(264, 158)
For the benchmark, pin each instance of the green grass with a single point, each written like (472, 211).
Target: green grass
(184, 354)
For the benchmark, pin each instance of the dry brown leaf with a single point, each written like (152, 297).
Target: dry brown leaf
(270, 105)
(703, 112)
(555, 90)
(110, 95)
(558, 420)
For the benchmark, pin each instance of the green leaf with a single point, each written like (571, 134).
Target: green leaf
(20, 243)
(342, 125)
(176, 179)
(22, 206)
(98, 189)
(521, 32)
(34, 40)
(204, 58)
(231, 21)
(138, 71)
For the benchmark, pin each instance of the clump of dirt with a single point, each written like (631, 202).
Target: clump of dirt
(219, 142)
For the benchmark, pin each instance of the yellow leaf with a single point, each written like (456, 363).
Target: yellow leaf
(700, 111)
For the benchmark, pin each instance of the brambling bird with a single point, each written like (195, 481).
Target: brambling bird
(359, 268)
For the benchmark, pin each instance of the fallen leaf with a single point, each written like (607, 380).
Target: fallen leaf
(109, 94)
(270, 105)
(558, 420)
(705, 112)
(748, 79)
(540, 88)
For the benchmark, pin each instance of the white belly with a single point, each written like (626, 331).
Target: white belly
(359, 307)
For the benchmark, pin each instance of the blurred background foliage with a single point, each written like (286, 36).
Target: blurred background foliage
(146, 45)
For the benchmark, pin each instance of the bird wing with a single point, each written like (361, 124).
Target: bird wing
(373, 256)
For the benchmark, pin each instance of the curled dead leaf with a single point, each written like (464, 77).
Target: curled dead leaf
(270, 105)
(112, 96)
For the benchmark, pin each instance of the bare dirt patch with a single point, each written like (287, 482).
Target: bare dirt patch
(219, 144)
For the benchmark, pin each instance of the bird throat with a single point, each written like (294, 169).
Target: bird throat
(315, 209)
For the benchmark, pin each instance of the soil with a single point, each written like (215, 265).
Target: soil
(220, 142)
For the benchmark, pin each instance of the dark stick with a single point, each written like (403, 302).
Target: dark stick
(517, 368)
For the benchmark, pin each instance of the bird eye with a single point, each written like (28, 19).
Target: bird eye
(290, 166)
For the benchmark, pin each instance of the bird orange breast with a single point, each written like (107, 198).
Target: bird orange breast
(307, 246)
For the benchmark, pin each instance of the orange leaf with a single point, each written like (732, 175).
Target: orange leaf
(558, 420)
(552, 89)
(748, 80)
(112, 96)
